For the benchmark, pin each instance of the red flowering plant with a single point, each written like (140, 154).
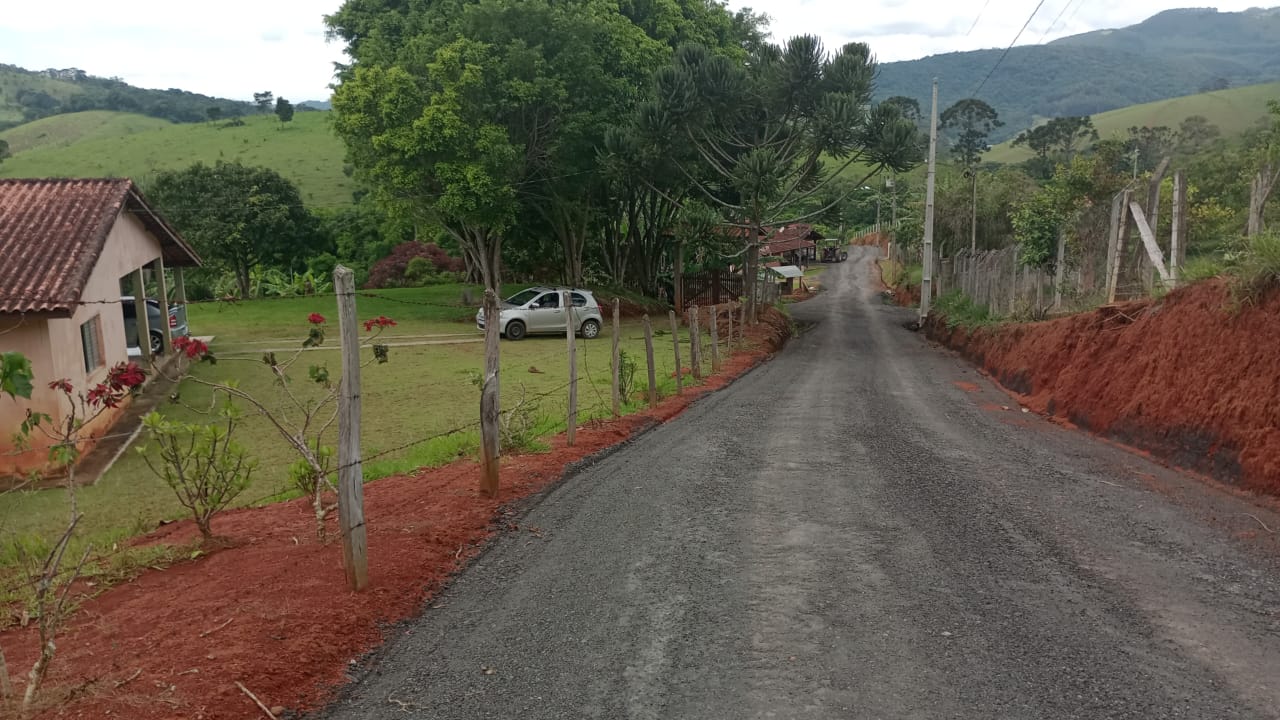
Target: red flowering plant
(193, 349)
(123, 380)
(51, 579)
(303, 417)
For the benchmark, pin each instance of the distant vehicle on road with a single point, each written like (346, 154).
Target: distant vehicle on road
(539, 310)
(177, 324)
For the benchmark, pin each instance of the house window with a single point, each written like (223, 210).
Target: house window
(91, 342)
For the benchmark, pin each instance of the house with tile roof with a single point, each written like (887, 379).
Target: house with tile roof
(797, 244)
(69, 251)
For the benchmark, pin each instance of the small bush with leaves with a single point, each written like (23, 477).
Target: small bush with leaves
(1257, 268)
(626, 374)
(306, 477)
(203, 466)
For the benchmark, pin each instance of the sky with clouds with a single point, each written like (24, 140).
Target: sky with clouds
(233, 47)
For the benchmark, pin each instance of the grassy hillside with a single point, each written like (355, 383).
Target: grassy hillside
(27, 95)
(15, 83)
(1232, 110)
(102, 143)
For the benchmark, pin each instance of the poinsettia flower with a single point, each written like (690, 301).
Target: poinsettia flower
(381, 321)
(64, 385)
(315, 319)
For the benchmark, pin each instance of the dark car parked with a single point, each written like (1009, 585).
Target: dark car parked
(177, 324)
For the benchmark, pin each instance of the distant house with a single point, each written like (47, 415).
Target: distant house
(68, 250)
(796, 244)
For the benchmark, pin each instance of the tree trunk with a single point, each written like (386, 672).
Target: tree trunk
(751, 270)
(677, 276)
(242, 279)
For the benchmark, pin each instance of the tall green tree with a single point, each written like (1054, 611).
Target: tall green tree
(284, 110)
(1059, 138)
(4, 150)
(970, 123)
(908, 107)
(533, 87)
(264, 101)
(436, 145)
(237, 216)
(759, 129)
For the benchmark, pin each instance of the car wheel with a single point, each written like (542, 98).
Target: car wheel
(590, 329)
(515, 330)
(157, 343)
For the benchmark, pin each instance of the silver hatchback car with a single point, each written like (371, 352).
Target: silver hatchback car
(540, 310)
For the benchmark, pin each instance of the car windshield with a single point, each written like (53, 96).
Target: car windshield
(523, 297)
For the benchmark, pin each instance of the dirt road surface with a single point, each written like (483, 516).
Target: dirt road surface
(856, 529)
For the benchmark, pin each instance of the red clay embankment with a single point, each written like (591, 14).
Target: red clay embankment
(1186, 377)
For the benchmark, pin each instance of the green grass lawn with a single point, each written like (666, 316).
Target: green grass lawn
(101, 143)
(424, 390)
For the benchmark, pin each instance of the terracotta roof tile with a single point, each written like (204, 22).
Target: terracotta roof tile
(52, 232)
(791, 237)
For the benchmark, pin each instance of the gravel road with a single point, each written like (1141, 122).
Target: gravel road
(856, 529)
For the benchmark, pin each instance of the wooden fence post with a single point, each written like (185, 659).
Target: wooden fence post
(1121, 216)
(728, 340)
(1146, 232)
(490, 436)
(1013, 280)
(715, 339)
(1113, 236)
(617, 359)
(675, 343)
(350, 476)
(1177, 239)
(1060, 272)
(571, 432)
(648, 356)
(742, 326)
(695, 343)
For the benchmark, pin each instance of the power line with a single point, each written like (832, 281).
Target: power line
(975, 20)
(1006, 50)
(1054, 24)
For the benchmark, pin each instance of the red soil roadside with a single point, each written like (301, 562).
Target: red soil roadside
(271, 611)
(1186, 378)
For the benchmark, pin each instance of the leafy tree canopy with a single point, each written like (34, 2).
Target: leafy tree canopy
(236, 216)
(970, 123)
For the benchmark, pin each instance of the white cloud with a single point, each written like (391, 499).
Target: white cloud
(229, 49)
(235, 47)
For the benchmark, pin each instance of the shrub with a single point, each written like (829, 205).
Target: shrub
(1201, 268)
(626, 375)
(1257, 268)
(203, 466)
(960, 311)
(306, 478)
(393, 270)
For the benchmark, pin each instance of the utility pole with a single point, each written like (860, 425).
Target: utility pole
(926, 275)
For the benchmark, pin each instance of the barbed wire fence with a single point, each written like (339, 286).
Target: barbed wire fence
(599, 404)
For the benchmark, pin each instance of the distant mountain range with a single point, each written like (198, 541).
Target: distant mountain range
(1174, 53)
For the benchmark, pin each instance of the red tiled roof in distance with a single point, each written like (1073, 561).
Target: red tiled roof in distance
(791, 237)
(52, 232)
